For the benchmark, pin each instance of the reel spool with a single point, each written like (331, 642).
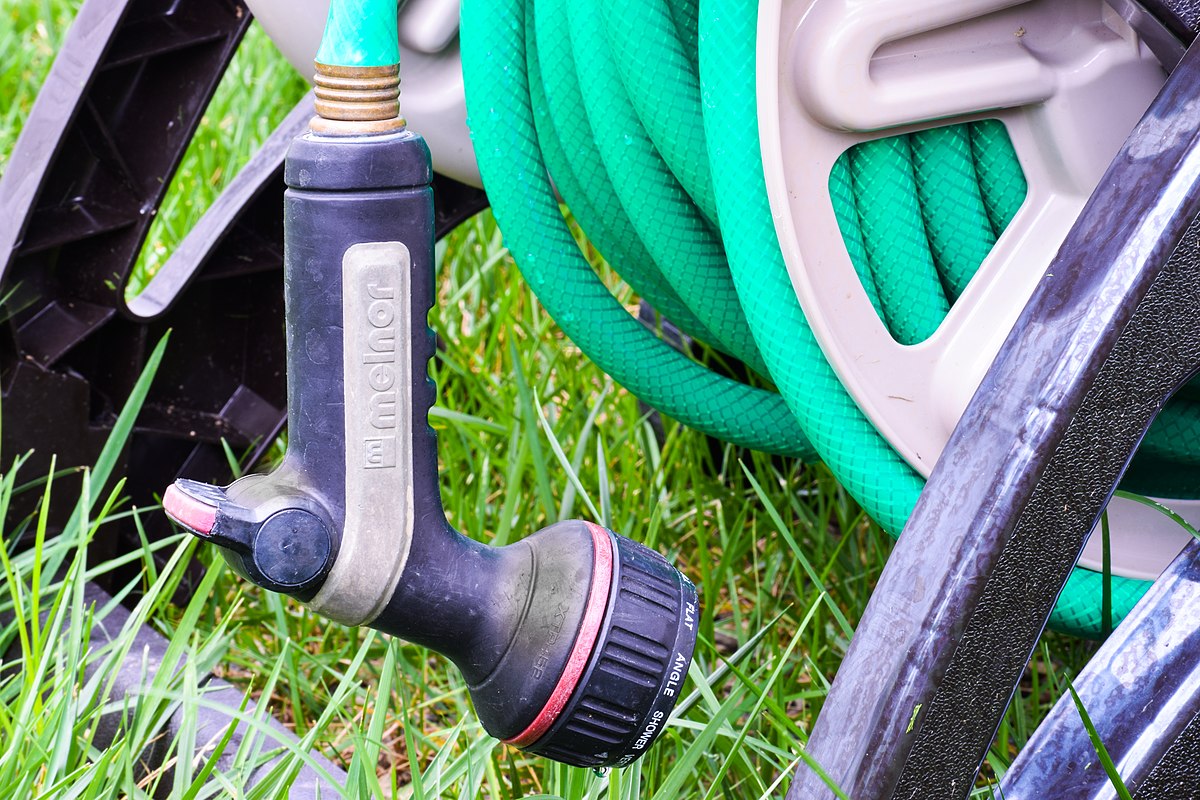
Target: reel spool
(1068, 80)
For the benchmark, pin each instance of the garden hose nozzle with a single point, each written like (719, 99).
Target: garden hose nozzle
(575, 641)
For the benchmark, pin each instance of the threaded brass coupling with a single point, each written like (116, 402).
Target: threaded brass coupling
(357, 100)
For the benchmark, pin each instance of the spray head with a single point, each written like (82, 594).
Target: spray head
(574, 641)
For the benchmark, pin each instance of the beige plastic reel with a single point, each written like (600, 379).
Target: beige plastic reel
(1067, 78)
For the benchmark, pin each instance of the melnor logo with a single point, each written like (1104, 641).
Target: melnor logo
(379, 452)
(379, 368)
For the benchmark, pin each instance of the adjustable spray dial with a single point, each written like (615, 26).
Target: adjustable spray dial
(574, 641)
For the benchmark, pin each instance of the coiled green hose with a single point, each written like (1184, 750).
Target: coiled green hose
(639, 110)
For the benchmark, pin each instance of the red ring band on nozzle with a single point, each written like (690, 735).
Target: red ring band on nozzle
(585, 642)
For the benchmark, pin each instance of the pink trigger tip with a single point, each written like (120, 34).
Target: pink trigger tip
(195, 515)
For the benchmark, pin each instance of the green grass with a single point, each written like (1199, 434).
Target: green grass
(530, 432)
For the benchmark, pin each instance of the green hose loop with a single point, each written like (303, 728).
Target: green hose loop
(885, 192)
(841, 192)
(360, 33)
(663, 90)
(952, 205)
(686, 16)
(673, 230)
(1002, 186)
(599, 211)
(871, 471)
(506, 146)
(918, 214)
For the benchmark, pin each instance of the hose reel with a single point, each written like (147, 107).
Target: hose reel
(1067, 81)
(1063, 86)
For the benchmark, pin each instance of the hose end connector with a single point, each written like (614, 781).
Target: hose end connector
(356, 101)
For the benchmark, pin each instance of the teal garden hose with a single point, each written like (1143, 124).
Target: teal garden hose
(642, 112)
(360, 33)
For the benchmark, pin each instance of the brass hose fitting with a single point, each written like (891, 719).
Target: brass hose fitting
(357, 100)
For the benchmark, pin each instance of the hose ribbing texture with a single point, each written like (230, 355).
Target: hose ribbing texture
(506, 144)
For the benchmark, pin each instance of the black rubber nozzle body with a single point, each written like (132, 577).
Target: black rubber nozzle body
(574, 641)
